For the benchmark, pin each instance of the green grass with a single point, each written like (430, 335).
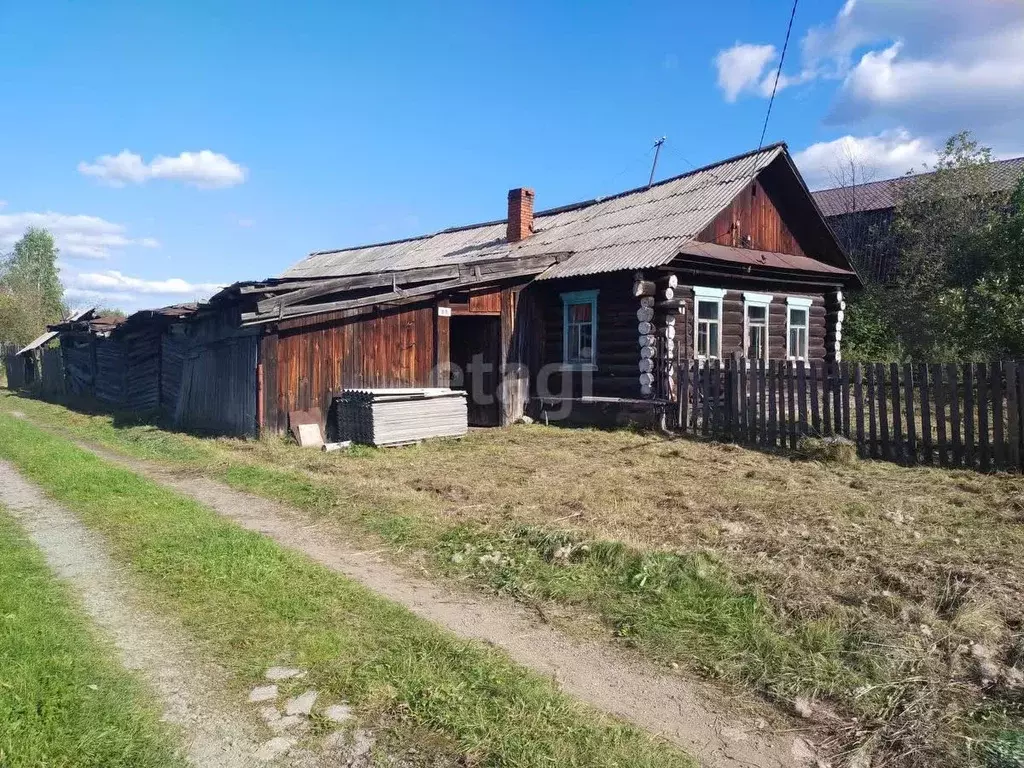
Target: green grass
(791, 578)
(673, 607)
(64, 700)
(254, 604)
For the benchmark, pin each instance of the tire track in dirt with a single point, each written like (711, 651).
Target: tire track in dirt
(669, 705)
(191, 692)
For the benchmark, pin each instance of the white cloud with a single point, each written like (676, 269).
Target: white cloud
(969, 88)
(884, 156)
(933, 66)
(741, 67)
(87, 237)
(246, 223)
(204, 169)
(113, 288)
(112, 280)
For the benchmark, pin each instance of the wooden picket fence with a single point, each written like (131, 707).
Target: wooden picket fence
(951, 414)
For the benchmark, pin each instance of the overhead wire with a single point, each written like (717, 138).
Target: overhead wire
(778, 74)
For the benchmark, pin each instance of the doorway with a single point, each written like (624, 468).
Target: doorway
(476, 362)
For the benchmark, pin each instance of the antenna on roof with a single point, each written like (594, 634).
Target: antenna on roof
(657, 151)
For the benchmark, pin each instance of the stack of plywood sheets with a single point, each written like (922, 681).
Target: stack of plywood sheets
(400, 416)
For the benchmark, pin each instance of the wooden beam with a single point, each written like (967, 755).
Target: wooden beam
(356, 282)
(284, 313)
(478, 270)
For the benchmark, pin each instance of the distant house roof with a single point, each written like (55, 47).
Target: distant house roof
(641, 228)
(881, 195)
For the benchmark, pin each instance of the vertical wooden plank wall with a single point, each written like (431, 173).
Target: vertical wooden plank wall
(272, 419)
(320, 355)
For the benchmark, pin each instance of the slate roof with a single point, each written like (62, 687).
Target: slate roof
(640, 228)
(881, 195)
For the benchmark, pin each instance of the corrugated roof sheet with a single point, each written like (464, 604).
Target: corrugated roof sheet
(637, 229)
(879, 195)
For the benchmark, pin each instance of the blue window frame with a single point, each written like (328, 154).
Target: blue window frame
(579, 328)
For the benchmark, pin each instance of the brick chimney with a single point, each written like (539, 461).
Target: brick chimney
(520, 214)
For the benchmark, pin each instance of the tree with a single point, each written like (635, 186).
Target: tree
(989, 310)
(957, 288)
(941, 226)
(31, 295)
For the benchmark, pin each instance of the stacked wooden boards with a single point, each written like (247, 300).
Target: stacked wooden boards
(399, 416)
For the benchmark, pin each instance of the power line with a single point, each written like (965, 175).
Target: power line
(778, 74)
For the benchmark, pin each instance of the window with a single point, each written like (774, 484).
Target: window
(755, 325)
(798, 314)
(579, 328)
(708, 325)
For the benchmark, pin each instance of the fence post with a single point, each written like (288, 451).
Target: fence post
(739, 379)
(705, 424)
(1012, 416)
(926, 414)
(826, 399)
(939, 393)
(872, 420)
(682, 395)
(908, 397)
(883, 409)
(773, 416)
(815, 410)
(983, 443)
(969, 418)
(697, 394)
(956, 448)
(844, 383)
(791, 420)
(762, 404)
(897, 423)
(801, 382)
(996, 395)
(752, 402)
(858, 395)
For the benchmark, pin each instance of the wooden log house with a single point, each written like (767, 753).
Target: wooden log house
(578, 312)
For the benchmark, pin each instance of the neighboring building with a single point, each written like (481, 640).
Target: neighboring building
(594, 302)
(861, 215)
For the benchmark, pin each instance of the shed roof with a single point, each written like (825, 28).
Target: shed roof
(640, 228)
(50, 335)
(1003, 175)
(101, 325)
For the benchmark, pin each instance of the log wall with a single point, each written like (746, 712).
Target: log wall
(616, 343)
(732, 322)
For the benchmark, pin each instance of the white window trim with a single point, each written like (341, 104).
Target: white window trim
(701, 293)
(757, 300)
(798, 302)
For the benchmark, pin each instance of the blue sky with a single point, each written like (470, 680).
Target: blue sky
(173, 147)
